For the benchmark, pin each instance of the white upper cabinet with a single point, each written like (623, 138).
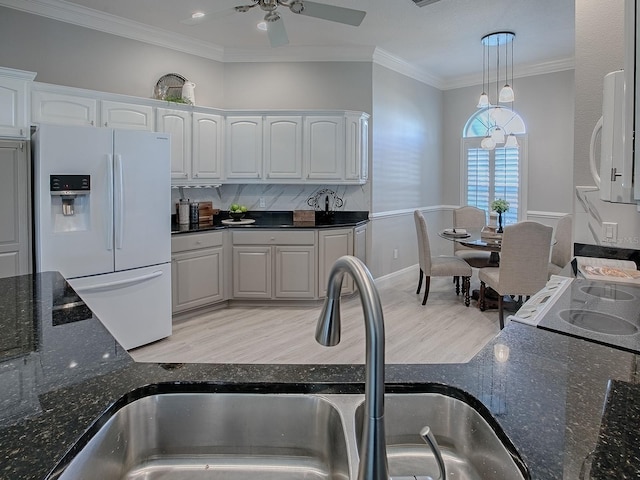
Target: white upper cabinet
(283, 147)
(357, 147)
(63, 109)
(324, 148)
(243, 149)
(14, 102)
(177, 123)
(126, 115)
(207, 146)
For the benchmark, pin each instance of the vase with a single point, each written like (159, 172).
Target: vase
(499, 222)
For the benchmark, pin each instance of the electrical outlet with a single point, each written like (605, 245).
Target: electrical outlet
(395, 253)
(262, 202)
(609, 232)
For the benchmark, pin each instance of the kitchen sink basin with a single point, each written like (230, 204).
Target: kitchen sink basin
(214, 436)
(599, 322)
(471, 447)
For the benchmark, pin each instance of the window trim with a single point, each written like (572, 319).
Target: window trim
(523, 141)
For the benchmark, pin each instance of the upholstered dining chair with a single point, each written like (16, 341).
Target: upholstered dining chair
(475, 218)
(561, 249)
(524, 257)
(440, 266)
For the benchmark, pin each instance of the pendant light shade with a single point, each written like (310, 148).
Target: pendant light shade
(497, 135)
(488, 143)
(483, 102)
(511, 142)
(506, 94)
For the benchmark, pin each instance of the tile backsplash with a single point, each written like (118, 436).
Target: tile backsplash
(276, 196)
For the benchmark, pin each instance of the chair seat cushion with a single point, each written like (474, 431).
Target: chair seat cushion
(475, 258)
(490, 276)
(445, 266)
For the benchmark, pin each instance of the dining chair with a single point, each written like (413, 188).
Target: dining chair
(438, 266)
(524, 257)
(475, 218)
(561, 249)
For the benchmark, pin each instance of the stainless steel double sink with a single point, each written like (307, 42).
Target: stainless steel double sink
(266, 436)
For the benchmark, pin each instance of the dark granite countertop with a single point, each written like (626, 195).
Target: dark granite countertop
(60, 370)
(278, 219)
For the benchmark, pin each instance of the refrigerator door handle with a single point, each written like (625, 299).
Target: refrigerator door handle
(118, 283)
(110, 202)
(119, 201)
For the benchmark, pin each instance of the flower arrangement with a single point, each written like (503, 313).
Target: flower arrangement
(499, 205)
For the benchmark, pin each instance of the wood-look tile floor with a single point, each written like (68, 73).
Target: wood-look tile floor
(442, 331)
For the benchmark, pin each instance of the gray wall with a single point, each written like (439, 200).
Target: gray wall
(66, 54)
(545, 103)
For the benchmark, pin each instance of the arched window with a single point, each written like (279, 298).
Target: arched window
(497, 173)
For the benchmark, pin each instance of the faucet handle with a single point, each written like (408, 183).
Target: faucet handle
(430, 440)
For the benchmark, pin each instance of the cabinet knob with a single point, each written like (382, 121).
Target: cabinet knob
(105, 124)
(196, 175)
(199, 242)
(91, 123)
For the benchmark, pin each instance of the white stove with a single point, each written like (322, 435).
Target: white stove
(596, 311)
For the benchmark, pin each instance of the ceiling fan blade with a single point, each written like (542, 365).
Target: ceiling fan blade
(277, 33)
(208, 16)
(348, 16)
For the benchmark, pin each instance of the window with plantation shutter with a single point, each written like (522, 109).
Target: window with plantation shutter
(491, 174)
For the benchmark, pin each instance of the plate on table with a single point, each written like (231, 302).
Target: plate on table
(456, 233)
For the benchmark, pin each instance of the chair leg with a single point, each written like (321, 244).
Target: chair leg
(501, 311)
(426, 288)
(481, 304)
(419, 282)
(458, 285)
(466, 286)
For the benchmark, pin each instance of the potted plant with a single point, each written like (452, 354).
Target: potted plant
(499, 206)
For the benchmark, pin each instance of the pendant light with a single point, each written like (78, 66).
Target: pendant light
(496, 132)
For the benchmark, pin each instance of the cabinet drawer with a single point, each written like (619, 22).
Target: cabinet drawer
(193, 241)
(274, 237)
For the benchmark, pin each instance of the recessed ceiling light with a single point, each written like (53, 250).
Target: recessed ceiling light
(262, 26)
(197, 14)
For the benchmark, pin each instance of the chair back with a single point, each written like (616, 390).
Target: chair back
(561, 250)
(468, 217)
(424, 249)
(524, 258)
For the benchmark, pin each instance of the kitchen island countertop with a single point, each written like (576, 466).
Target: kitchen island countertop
(546, 390)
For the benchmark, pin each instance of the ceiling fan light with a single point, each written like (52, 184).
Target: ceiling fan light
(271, 17)
(296, 6)
(512, 141)
(262, 26)
(483, 101)
(506, 94)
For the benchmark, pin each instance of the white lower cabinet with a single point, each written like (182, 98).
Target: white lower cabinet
(197, 270)
(270, 264)
(333, 244)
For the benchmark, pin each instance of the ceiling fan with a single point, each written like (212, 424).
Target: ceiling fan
(274, 24)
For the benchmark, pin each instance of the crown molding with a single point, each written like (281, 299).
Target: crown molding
(543, 68)
(397, 64)
(89, 18)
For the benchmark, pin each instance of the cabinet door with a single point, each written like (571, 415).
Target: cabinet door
(207, 146)
(324, 151)
(177, 123)
(333, 244)
(13, 108)
(15, 246)
(283, 147)
(360, 243)
(295, 272)
(126, 115)
(60, 109)
(252, 272)
(197, 278)
(243, 148)
(357, 148)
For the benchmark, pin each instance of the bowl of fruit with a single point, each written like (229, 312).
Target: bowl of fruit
(237, 212)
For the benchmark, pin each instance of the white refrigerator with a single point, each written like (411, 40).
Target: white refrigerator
(102, 218)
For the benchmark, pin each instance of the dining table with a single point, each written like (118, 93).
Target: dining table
(478, 239)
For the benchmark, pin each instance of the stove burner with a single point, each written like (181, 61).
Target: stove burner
(598, 322)
(608, 292)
